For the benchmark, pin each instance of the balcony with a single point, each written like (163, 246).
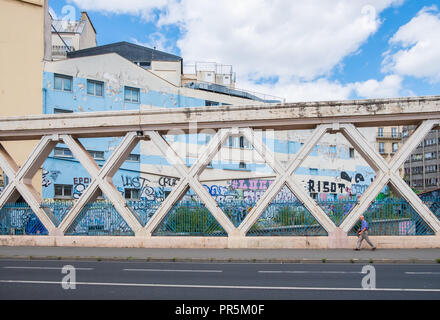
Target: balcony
(389, 135)
(61, 50)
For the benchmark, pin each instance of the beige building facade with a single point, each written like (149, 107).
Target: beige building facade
(24, 48)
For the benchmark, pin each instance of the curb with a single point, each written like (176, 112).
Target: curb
(222, 260)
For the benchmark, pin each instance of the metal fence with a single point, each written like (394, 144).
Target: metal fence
(189, 218)
(389, 216)
(58, 208)
(100, 218)
(286, 219)
(143, 209)
(394, 216)
(337, 210)
(236, 210)
(19, 219)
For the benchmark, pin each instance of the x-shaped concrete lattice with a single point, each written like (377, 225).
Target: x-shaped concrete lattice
(20, 178)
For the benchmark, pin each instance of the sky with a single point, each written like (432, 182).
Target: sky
(303, 50)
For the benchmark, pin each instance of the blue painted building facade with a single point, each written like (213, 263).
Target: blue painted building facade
(109, 82)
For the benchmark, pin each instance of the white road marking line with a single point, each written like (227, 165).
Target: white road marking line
(409, 272)
(43, 268)
(171, 270)
(216, 286)
(326, 272)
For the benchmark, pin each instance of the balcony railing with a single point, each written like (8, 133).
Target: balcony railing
(389, 135)
(61, 50)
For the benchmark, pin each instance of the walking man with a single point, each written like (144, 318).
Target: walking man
(363, 234)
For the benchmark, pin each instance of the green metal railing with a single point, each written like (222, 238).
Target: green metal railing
(19, 219)
(337, 210)
(286, 219)
(236, 210)
(388, 216)
(394, 216)
(59, 208)
(143, 209)
(189, 218)
(99, 218)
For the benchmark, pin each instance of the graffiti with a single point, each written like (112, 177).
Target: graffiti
(252, 195)
(146, 191)
(54, 174)
(221, 193)
(359, 177)
(358, 188)
(325, 187)
(285, 195)
(79, 185)
(345, 176)
(45, 182)
(215, 190)
(167, 181)
(134, 182)
(251, 184)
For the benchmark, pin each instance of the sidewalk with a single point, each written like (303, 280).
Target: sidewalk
(226, 255)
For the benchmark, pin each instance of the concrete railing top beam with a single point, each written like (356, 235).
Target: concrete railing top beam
(301, 115)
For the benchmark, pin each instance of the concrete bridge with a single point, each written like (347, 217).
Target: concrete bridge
(345, 117)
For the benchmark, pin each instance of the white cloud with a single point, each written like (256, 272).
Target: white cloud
(300, 43)
(261, 38)
(143, 8)
(158, 41)
(389, 87)
(325, 90)
(295, 91)
(303, 40)
(418, 47)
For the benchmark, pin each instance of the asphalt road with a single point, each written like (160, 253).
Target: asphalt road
(128, 280)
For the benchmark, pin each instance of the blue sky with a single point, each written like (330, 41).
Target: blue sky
(298, 50)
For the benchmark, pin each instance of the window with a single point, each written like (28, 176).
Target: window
(57, 110)
(63, 190)
(131, 193)
(351, 153)
(417, 157)
(95, 88)
(332, 149)
(207, 138)
(430, 142)
(230, 142)
(211, 103)
(244, 144)
(133, 157)
(395, 146)
(313, 171)
(131, 95)
(381, 147)
(430, 155)
(242, 165)
(380, 132)
(417, 170)
(62, 152)
(394, 132)
(97, 155)
(431, 168)
(431, 182)
(144, 64)
(62, 82)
